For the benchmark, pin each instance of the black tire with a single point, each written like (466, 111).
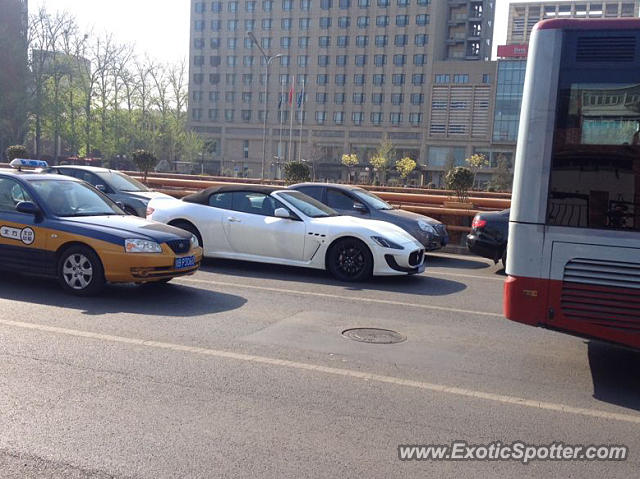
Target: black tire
(80, 271)
(349, 259)
(185, 225)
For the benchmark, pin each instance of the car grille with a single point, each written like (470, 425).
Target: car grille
(416, 258)
(179, 246)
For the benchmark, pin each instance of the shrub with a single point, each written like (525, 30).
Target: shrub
(145, 161)
(296, 172)
(16, 151)
(460, 179)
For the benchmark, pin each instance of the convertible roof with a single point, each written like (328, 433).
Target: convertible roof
(202, 197)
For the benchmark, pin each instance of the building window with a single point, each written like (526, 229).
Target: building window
(250, 6)
(344, 4)
(376, 117)
(486, 78)
(228, 115)
(397, 79)
(362, 41)
(397, 98)
(400, 40)
(357, 117)
(198, 43)
(341, 60)
(324, 22)
(324, 42)
(214, 96)
(305, 5)
(232, 7)
(247, 79)
(343, 41)
(230, 79)
(287, 5)
(378, 79)
(363, 22)
(198, 78)
(382, 20)
(216, 7)
(395, 118)
(303, 42)
(248, 43)
(381, 40)
(213, 114)
(247, 61)
(232, 60)
(419, 59)
(214, 78)
(214, 43)
(402, 20)
(232, 25)
(421, 39)
(364, 3)
(285, 42)
(284, 79)
(246, 115)
(325, 4)
(358, 98)
(232, 43)
(344, 22)
(361, 60)
(441, 79)
(338, 98)
(417, 98)
(422, 19)
(321, 98)
(267, 23)
(267, 5)
(199, 25)
(303, 60)
(377, 98)
(284, 60)
(321, 117)
(265, 43)
(245, 148)
(340, 79)
(285, 24)
(438, 105)
(459, 78)
(229, 96)
(323, 60)
(379, 60)
(216, 25)
(198, 60)
(304, 23)
(358, 79)
(415, 118)
(399, 60)
(423, 3)
(196, 114)
(338, 117)
(383, 3)
(321, 79)
(403, 3)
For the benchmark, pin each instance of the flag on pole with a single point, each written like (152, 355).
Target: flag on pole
(280, 102)
(300, 99)
(291, 92)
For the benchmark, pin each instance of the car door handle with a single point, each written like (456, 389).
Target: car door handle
(231, 219)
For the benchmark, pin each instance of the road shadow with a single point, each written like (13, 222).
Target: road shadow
(616, 374)
(421, 284)
(443, 261)
(173, 300)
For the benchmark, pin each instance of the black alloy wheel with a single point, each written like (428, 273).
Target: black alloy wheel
(349, 259)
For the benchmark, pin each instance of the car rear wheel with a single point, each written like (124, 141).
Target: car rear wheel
(349, 259)
(80, 271)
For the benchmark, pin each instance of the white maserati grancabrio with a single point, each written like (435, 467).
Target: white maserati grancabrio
(271, 225)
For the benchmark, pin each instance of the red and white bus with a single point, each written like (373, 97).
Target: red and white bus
(573, 258)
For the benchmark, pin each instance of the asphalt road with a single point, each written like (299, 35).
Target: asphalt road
(242, 371)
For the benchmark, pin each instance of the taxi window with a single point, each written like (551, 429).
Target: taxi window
(11, 193)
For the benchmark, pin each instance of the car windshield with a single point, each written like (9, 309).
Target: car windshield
(122, 182)
(72, 198)
(306, 204)
(372, 200)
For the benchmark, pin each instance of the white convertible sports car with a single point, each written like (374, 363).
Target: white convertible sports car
(271, 225)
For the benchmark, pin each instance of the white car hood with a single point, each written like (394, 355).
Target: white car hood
(368, 227)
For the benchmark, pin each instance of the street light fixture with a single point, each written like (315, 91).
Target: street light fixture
(268, 59)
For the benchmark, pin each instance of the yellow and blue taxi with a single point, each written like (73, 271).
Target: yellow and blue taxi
(62, 227)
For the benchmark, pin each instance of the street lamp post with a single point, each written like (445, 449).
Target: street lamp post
(268, 59)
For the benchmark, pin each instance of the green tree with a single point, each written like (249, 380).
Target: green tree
(460, 179)
(16, 151)
(503, 177)
(405, 167)
(350, 160)
(476, 162)
(296, 172)
(144, 161)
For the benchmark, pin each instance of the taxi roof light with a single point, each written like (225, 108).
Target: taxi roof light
(19, 163)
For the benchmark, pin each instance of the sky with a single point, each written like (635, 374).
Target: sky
(160, 28)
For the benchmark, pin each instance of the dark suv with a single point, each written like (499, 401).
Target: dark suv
(355, 201)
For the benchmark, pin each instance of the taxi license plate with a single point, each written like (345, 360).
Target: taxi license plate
(186, 262)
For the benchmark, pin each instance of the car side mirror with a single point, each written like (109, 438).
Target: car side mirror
(102, 188)
(27, 207)
(360, 207)
(282, 213)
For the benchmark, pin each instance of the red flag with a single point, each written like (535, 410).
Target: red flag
(291, 95)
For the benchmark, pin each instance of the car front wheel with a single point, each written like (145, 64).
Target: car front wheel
(80, 271)
(349, 259)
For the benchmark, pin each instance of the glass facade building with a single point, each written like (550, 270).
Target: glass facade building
(508, 100)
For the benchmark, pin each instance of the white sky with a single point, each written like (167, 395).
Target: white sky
(160, 28)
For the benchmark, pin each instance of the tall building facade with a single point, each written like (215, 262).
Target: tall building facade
(523, 16)
(346, 74)
(13, 72)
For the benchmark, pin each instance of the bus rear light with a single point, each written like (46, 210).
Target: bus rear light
(478, 223)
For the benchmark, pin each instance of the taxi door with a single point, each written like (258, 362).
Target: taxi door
(22, 240)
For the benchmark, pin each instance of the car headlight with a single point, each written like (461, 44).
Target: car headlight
(194, 241)
(386, 243)
(141, 246)
(426, 227)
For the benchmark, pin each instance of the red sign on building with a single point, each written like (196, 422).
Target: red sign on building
(513, 51)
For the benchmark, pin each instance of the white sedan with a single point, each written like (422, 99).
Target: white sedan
(270, 225)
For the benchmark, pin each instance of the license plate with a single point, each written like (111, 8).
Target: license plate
(186, 262)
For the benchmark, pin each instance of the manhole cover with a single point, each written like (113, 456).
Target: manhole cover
(374, 335)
